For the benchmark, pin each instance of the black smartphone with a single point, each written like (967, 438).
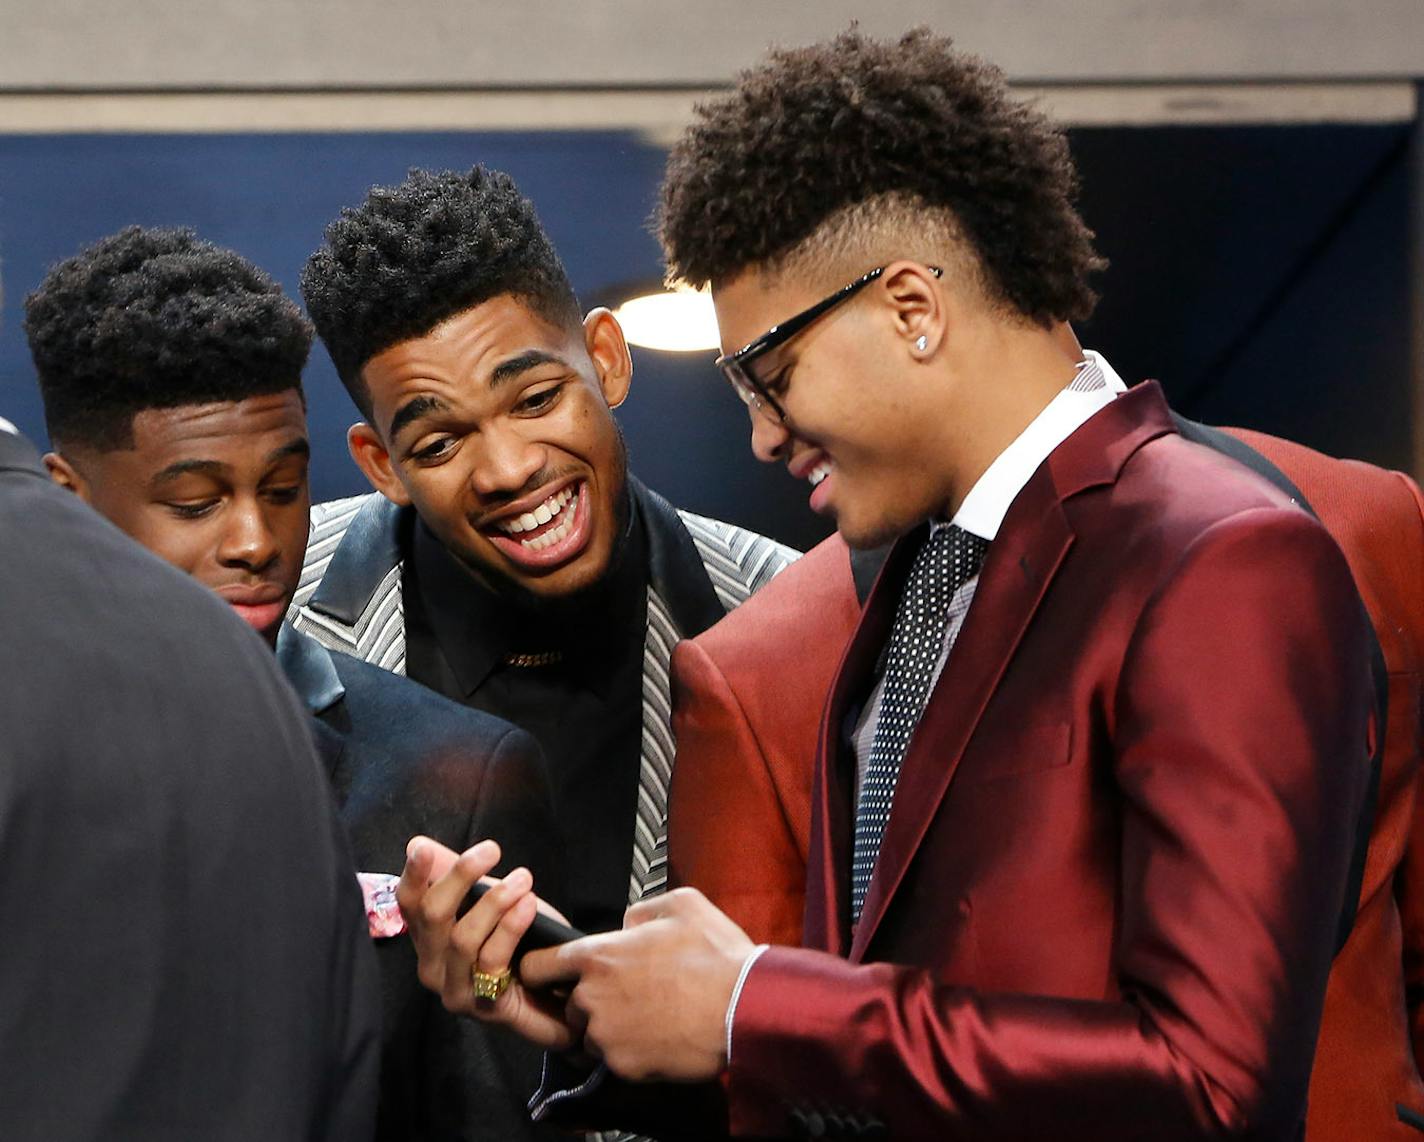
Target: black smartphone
(545, 932)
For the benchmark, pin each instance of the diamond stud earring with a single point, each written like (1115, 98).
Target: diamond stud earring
(921, 342)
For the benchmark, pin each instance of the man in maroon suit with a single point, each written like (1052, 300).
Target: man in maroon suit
(1090, 772)
(746, 724)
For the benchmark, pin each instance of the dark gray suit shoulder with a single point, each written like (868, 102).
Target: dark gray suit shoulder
(168, 839)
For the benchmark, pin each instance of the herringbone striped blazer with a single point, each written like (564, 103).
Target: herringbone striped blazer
(350, 599)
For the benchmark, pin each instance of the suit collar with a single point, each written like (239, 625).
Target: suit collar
(675, 569)
(373, 543)
(18, 454)
(988, 501)
(309, 668)
(1035, 537)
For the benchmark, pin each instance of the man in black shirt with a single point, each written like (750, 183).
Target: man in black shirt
(510, 561)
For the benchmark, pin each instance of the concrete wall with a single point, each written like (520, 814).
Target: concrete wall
(355, 44)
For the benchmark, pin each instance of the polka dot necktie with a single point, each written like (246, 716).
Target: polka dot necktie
(949, 558)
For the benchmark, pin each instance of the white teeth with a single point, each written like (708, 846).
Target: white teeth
(553, 535)
(819, 472)
(540, 515)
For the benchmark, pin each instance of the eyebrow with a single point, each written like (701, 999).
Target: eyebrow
(184, 468)
(522, 363)
(299, 447)
(414, 410)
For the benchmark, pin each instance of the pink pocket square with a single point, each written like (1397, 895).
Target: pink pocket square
(383, 914)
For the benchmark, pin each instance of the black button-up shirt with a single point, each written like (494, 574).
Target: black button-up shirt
(584, 710)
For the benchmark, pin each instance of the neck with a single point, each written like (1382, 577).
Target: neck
(1005, 378)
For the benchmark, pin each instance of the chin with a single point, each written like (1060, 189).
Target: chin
(561, 582)
(866, 534)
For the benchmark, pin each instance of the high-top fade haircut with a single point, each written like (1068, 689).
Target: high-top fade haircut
(156, 319)
(414, 255)
(818, 146)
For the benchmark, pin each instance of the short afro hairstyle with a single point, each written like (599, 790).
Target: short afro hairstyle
(156, 319)
(815, 132)
(414, 255)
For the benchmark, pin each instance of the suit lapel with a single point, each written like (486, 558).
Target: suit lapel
(1018, 569)
(1022, 562)
(827, 926)
(358, 607)
(681, 604)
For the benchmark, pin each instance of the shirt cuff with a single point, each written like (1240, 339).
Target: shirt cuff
(752, 958)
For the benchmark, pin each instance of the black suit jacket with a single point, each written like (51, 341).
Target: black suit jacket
(404, 760)
(184, 951)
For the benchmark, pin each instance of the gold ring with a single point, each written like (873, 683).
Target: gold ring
(490, 985)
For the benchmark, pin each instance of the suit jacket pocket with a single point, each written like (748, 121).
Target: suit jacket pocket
(997, 755)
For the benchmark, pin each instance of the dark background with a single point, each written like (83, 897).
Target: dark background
(1261, 273)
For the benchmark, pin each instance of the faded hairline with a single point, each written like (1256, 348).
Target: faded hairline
(873, 232)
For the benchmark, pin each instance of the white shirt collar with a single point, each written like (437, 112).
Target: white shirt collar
(6, 426)
(1095, 386)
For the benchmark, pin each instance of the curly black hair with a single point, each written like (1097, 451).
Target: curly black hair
(153, 318)
(412, 256)
(816, 131)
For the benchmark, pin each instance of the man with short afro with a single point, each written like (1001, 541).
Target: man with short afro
(509, 560)
(171, 375)
(1087, 783)
(154, 317)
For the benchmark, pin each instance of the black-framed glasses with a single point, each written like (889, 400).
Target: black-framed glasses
(736, 367)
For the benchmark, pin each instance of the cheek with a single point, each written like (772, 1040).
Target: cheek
(293, 528)
(189, 545)
(437, 491)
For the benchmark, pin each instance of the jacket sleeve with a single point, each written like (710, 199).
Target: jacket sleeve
(1409, 887)
(1237, 745)
(729, 834)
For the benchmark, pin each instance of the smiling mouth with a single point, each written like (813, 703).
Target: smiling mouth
(819, 472)
(547, 524)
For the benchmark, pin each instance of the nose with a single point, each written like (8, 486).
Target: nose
(770, 437)
(248, 540)
(506, 463)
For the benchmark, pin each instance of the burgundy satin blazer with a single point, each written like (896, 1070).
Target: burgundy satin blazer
(1107, 897)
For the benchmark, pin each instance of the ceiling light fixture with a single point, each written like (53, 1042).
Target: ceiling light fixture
(675, 321)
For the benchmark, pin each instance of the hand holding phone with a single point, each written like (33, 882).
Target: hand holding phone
(545, 932)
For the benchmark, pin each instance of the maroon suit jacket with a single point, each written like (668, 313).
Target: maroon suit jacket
(1110, 886)
(746, 742)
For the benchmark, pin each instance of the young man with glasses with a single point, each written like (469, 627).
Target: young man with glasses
(1090, 771)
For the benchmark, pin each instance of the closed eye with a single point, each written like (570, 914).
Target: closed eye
(191, 509)
(538, 402)
(776, 383)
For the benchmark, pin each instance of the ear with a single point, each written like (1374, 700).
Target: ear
(370, 454)
(918, 306)
(608, 349)
(66, 475)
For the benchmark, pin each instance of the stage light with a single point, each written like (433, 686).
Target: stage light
(674, 321)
